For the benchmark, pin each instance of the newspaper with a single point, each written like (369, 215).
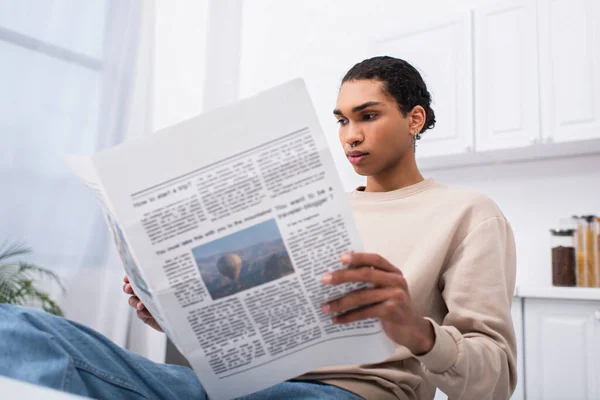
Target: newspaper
(225, 224)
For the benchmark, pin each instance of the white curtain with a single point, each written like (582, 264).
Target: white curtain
(75, 77)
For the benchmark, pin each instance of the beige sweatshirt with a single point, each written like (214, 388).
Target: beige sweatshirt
(457, 252)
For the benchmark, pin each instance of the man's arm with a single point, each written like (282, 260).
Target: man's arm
(472, 355)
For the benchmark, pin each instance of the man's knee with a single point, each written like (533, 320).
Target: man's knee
(10, 314)
(23, 325)
(6, 310)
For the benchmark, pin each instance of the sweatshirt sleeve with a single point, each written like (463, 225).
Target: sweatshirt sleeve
(474, 354)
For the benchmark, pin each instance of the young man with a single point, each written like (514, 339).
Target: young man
(441, 263)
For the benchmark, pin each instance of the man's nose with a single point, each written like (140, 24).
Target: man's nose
(353, 134)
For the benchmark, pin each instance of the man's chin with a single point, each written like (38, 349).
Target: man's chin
(362, 171)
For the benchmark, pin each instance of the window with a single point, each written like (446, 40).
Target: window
(53, 77)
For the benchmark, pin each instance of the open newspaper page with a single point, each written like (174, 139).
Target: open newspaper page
(232, 218)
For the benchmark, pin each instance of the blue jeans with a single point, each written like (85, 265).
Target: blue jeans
(55, 352)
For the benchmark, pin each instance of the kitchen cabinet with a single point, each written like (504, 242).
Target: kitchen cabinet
(569, 46)
(506, 75)
(520, 101)
(562, 352)
(442, 53)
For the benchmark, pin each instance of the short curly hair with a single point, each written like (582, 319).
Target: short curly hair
(400, 80)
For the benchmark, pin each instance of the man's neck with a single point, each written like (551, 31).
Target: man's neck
(405, 173)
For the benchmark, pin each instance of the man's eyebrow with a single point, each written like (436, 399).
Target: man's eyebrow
(359, 108)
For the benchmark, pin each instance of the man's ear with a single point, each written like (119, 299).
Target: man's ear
(416, 119)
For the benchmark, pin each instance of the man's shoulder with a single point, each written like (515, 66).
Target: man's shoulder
(471, 196)
(466, 200)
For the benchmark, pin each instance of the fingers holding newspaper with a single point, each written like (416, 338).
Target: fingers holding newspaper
(388, 300)
(142, 312)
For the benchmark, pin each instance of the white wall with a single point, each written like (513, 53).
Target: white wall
(320, 41)
(179, 60)
(534, 195)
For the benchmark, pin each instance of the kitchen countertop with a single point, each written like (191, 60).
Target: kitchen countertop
(551, 292)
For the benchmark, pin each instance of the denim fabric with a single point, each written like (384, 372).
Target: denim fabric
(55, 352)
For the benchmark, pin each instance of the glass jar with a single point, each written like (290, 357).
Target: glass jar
(589, 246)
(580, 252)
(598, 253)
(564, 271)
(591, 250)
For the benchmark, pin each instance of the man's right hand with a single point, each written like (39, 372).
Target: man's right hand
(142, 312)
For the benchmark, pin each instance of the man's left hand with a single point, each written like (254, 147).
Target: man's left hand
(389, 301)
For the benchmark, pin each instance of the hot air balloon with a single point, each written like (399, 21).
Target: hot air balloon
(230, 266)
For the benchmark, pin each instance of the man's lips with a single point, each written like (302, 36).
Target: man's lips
(356, 156)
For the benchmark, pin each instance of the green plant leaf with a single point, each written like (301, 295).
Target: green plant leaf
(30, 269)
(10, 250)
(17, 280)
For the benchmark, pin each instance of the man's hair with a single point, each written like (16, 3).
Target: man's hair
(400, 80)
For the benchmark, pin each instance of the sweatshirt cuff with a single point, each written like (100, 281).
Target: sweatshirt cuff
(443, 354)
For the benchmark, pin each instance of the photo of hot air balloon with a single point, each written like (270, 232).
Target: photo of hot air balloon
(243, 260)
(230, 265)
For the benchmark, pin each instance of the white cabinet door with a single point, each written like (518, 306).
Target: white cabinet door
(442, 53)
(562, 349)
(506, 75)
(569, 34)
(517, 317)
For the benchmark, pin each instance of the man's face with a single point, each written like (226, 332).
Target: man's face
(374, 134)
